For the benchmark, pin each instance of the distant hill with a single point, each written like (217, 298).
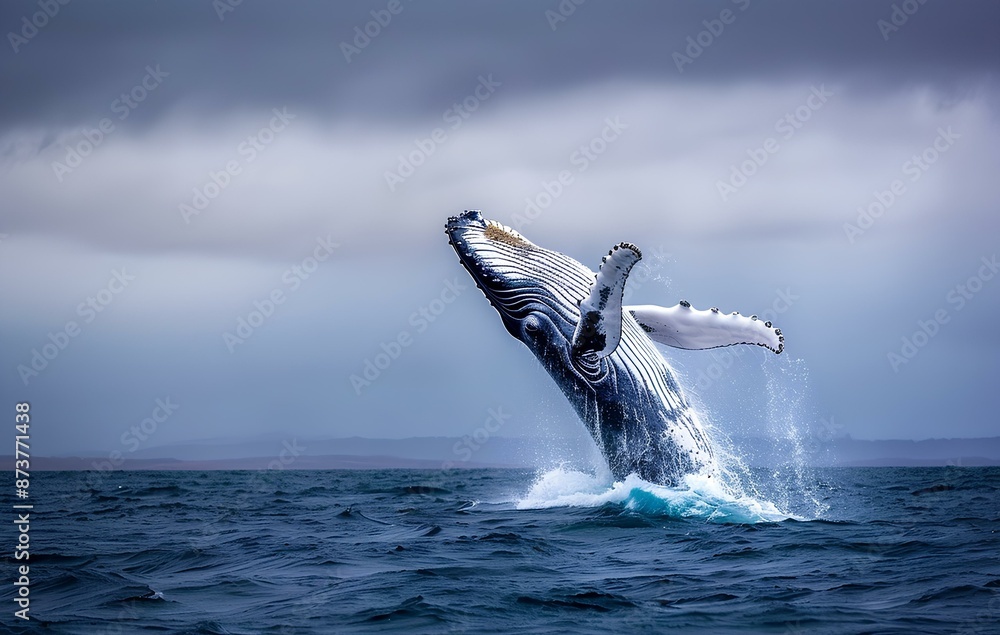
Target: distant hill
(445, 452)
(857, 452)
(323, 462)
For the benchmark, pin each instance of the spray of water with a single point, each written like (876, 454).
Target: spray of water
(787, 388)
(786, 489)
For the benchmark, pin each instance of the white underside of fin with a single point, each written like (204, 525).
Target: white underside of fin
(681, 326)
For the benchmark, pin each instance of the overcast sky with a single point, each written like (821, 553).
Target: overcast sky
(172, 164)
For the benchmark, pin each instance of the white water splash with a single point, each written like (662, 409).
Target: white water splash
(698, 497)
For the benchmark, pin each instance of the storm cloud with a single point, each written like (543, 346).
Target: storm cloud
(833, 163)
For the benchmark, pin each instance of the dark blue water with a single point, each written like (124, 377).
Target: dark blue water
(896, 551)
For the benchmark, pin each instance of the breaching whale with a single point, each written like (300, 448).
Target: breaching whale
(602, 355)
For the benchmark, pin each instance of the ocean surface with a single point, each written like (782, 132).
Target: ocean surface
(855, 550)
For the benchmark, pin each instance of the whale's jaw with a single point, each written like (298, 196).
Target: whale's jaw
(517, 276)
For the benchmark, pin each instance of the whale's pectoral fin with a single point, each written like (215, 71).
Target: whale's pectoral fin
(684, 327)
(600, 327)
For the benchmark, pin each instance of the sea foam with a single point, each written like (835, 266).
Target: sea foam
(697, 497)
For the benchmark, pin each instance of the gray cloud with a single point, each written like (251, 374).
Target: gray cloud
(263, 53)
(324, 175)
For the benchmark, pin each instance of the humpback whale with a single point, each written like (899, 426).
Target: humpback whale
(602, 354)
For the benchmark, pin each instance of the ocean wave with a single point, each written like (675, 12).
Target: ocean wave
(699, 497)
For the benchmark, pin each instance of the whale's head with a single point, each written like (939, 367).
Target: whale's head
(536, 291)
